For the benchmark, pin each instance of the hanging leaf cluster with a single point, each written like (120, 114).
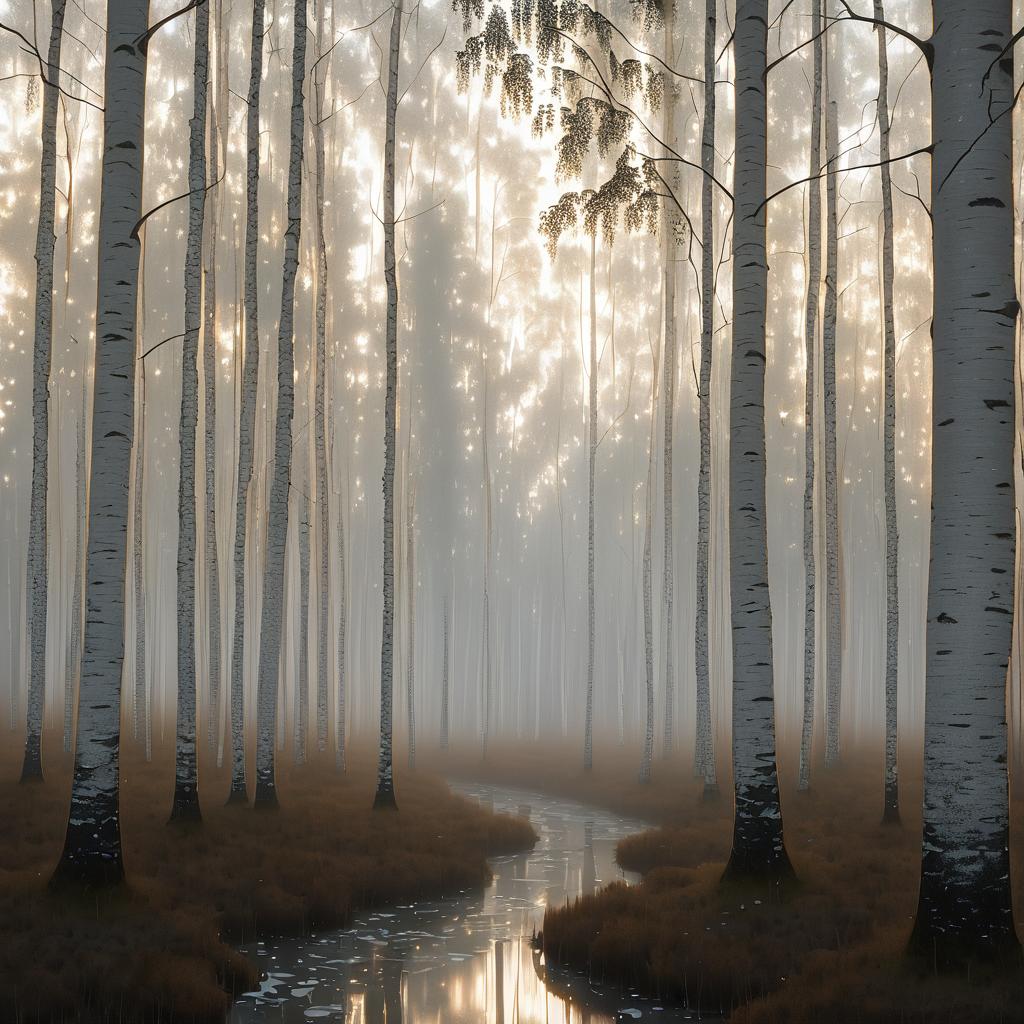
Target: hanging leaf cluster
(521, 41)
(632, 192)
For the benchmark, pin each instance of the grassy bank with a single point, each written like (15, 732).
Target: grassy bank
(160, 948)
(830, 948)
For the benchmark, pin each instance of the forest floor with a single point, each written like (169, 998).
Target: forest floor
(159, 947)
(831, 947)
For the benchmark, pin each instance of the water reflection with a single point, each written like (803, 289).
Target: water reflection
(464, 960)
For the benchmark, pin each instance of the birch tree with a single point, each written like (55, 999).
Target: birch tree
(385, 795)
(757, 849)
(32, 765)
(891, 804)
(446, 642)
(218, 108)
(71, 677)
(669, 271)
(186, 788)
(92, 846)
(647, 581)
(271, 617)
(833, 609)
(339, 725)
(300, 724)
(247, 409)
(140, 710)
(811, 401)
(964, 906)
(588, 735)
(705, 746)
(410, 590)
(323, 522)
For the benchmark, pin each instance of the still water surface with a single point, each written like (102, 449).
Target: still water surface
(467, 959)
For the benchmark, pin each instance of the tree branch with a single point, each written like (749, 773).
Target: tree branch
(922, 44)
(143, 41)
(857, 167)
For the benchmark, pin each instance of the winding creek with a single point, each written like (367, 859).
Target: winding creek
(467, 959)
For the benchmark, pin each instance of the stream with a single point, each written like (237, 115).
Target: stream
(468, 958)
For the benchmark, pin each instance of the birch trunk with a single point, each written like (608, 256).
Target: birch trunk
(32, 765)
(833, 609)
(92, 846)
(323, 533)
(648, 584)
(810, 402)
(964, 906)
(485, 451)
(140, 710)
(385, 796)
(758, 849)
(671, 230)
(891, 805)
(186, 782)
(247, 411)
(302, 683)
(271, 615)
(211, 547)
(410, 590)
(588, 733)
(705, 746)
(444, 678)
(339, 726)
(72, 674)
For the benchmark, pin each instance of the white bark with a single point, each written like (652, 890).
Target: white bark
(965, 905)
(648, 584)
(705, 745)
(758, 848)
(186, 782)
(92, 847)
(218, 107)
(271, 616)
(142, 727)
(385, 796)
(410, 585)
(891, 810)
(444, 678)
(247, 411)
(32, 766)
(339, 726)
(588, 734)
(810, 402)
(488, 659)
(323, 535)
(669, 258)
(301, 723)
(72, 674)
(833, 609)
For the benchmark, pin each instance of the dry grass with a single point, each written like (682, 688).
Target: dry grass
(831, 948)
(157, 949)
